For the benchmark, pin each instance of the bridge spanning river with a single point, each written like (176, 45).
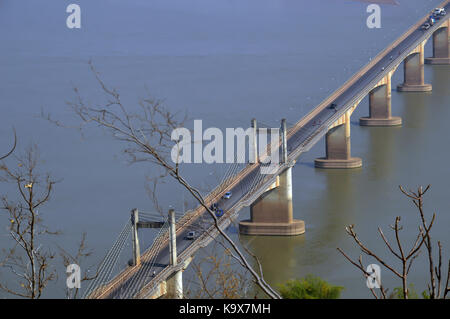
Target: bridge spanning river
(154, 272)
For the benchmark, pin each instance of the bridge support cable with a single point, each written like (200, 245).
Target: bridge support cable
(264, 125)
(239, 160)
(156, 217)
(132, 286)
(149, 267)
(233, 170)
(259, 177)
(244, 185)
(109, 262)
(255, 181)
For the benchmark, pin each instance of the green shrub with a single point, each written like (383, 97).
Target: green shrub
(309, 287)
(412, 294)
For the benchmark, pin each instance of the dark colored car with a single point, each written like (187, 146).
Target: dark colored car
(219, 213)
(227, 195)
(191, 235)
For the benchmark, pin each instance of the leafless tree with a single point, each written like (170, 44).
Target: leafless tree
(146, 134)
(27, 260)
(216, 276)
(32, 266)
(78, 258)
(406, 256)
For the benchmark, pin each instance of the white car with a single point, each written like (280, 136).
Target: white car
(439, 11)
(426, 26)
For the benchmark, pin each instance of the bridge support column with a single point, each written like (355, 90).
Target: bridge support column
(136, 247)
(271, 214)
(254, 146)
(414, 73)
(174, 284)
(380, 108)
(338, 153)
(441, 47)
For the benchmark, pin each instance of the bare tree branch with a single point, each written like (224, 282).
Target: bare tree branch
(30, 264)
(13, 147)
(147, 136)
(423, 239)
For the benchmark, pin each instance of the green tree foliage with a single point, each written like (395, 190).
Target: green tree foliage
(309, 287)
(412, 294)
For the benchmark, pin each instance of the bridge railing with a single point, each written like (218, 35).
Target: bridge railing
(203, 240)
(322, 130)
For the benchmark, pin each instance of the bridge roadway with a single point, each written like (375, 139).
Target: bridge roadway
(300, 139)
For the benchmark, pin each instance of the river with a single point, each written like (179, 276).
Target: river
(225, 62)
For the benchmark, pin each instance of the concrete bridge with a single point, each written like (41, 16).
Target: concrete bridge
(158, 271)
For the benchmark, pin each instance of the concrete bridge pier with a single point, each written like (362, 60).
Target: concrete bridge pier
(337, 142)
(174, 286)
(441, 46)
(168, 288)
(380, 107)
(272, 213)
(414, 80)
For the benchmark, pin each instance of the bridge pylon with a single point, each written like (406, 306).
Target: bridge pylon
(441, 45)
(272, 213)
(175, 283)
(135, 238)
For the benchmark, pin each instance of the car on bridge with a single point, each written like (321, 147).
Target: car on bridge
(439, 12)
(332, 106)
(227, 195)
(191, 235)
(426, 26)
(435, 16)
(219, 213)
(214, 207)
(431, 20)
